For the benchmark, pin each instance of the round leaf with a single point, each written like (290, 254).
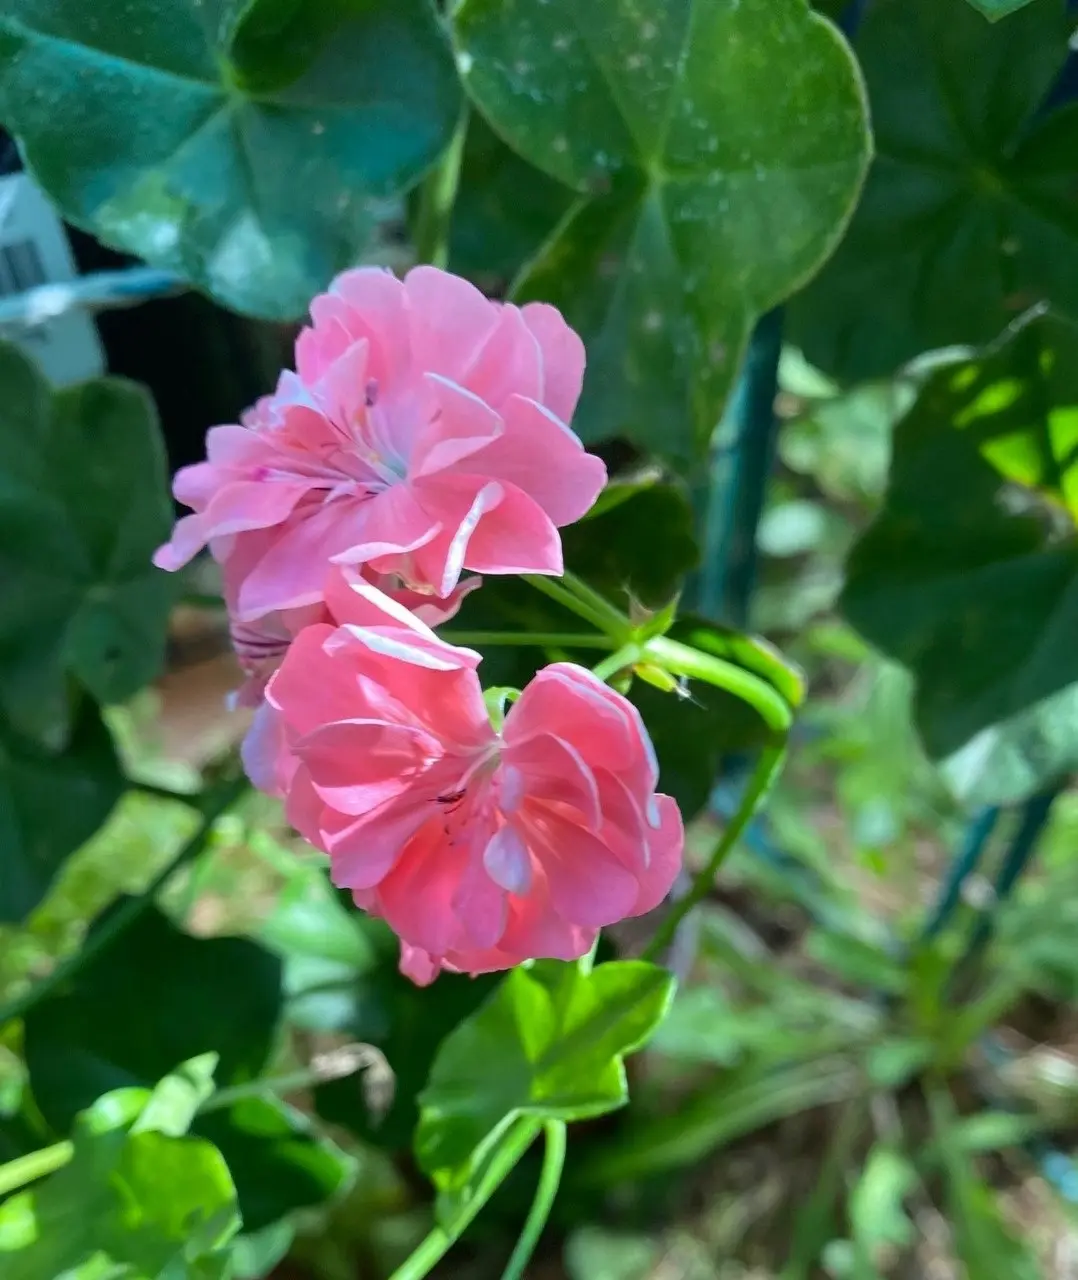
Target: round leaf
(968, 216)
(717, 149)
(83, 505)
(242, 154)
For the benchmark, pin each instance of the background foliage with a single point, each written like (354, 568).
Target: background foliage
(825, 260)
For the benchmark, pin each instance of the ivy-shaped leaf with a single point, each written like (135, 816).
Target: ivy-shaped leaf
(158, 995)
(139, 1198)
(548, 1045)
(83, 505)
(993, 10)
(969, 214)
(969, 575)
(717, 151)
(51, 803)
(238, 144)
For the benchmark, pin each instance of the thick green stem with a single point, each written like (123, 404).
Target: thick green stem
(549, 1181)
(422, 1261)
(627, 656)
(190, 798)
(437, 195)
(536, 639)
(683, 660)
(213, 806)
(616, 624)
(25, 1169)
(767, 770)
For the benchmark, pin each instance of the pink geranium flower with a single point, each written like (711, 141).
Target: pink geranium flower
(261, 645)
(480, 847)
(424, 432)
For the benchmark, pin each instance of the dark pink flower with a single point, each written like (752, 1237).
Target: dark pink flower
(481, 848)
(423, 433)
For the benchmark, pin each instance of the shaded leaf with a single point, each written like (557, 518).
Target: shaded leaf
(150, 1203)
(83, 506)
(968, 216)
(993, 10)
(50, 804)
(974, 555)
(277, 1160)
(878, 1219)
(708, 191)
(263, 132)
(156, 996)
(547, 1045)
(504, 210)
(159, 995)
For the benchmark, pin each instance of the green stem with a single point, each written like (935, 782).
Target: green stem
(549, 1181)
(767, 770)
(537, 639)
(213, 806)
(683, 660)
(437, 1244)
(616, 624)
(553, 589)
(437, 195)
(17, 1173)
(627, 656)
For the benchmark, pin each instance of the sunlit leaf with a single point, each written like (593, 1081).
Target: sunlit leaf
(548, 1044)
(968, 216)
(240, 145)
(141, 1201)
(717, 151)
(969, 575)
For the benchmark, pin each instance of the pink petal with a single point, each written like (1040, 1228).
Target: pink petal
(357, 765)
(392, 523)
(463, 424)
(508, 363)
(553, 770)
(293, 570)
(667, 855)
(507, 861)
(342, 391)
(540, 455)
(250, 504)
(514, 536)
(187, 541)
(364, 851)
(264, 751)
(588, 884)
(309, 691)
(449, 320)
(419, 965)
(563, 358)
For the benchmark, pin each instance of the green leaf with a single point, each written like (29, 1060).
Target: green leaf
(50, 804)
(149, 1203)
(83, 506)
(878, 1220)
(861, 963)
(708, 190)
(968, 215)
(548, 1045)
(983, 1241)
(504, 210)
(264, 130)
(157, 996)
(278, 1161)
(969, 576)
(993, 10)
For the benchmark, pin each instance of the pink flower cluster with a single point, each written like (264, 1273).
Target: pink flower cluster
(425, 433)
